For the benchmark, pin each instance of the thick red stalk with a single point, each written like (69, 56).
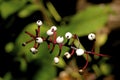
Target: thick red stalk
(72, 52)
(29, 41)
(35, 45)
(31, 35)
(54, 36)
(38, 31)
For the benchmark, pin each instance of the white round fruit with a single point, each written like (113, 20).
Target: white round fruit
(67, 54)
(33, 50)
(39, 22)
(79, 52)
(56, 60)
(91, 36)
(54, 28)
(39, 40)
(59, 39)
(68, 35)
(49, 32)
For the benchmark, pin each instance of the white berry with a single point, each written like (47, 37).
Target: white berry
(68, 35)
(91, 36)
(59, 39)
(54, 28)
(39, 40)
(79, 52)
(39, 22)
(56, 60)
(33, 50)
(49, 32)
(67, 54)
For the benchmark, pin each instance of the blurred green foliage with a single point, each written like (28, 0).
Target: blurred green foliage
(89, 20)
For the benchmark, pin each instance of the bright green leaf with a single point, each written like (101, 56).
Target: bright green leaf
(24, 37)
(89, 20)
(28, 10)
(10, 7)
(53, 11)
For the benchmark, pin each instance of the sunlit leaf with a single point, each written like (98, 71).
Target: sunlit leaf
(61, 63)
(10, 7)
(53, 11)
(89, 20)
(101, 39)
(28, 10)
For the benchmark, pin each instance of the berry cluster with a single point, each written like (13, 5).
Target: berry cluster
(58, 40)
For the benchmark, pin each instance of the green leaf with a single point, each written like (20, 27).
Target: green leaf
(105, 68)
(7, 76)
(23, 64)
(89, 20)
(9, 47)
(53, 11)
(28, 10)
(1, 1)
(1, 78)
(90, 13)
(10, 7)
(24, 37)
(47, 72)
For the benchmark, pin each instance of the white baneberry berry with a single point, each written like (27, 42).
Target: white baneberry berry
(91, 36)
(67, 54)
(53, 28)
(59, 39)
(81, 71)
(56, 60)
(39, 22)
(33, 50)
(49, 32)
(68, 35)
(79, 52)
(39, 40)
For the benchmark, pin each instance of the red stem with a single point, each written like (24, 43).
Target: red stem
(31, 35)
(60, 45)
(93, 48)
(54, 36)
(86, 62)
(29, 41)
(38, 31)
(35, 45)
(89, 52)
(48, 46)
(72, 52)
